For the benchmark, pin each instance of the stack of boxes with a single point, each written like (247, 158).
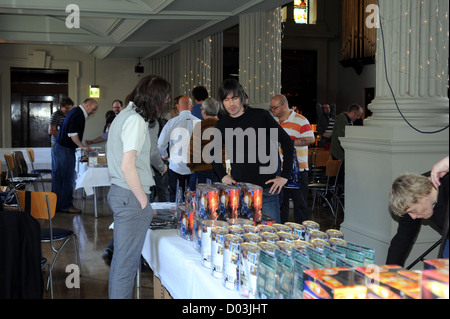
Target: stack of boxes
(251, 254)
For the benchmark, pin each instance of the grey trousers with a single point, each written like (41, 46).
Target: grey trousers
(130, 226)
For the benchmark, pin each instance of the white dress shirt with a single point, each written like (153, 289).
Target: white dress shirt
(176, 136)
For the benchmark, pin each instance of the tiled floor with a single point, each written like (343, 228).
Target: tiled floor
(94, 236)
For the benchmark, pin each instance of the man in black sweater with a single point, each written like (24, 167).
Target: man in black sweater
(413, 197)
(251, 138)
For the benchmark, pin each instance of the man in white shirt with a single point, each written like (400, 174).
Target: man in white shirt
(175, 136)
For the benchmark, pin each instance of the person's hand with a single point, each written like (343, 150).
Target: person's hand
(164, 171)
(439, 170)
(278, 184)
(227, 179)
(87, 148)
(89, 142)
(144, 203)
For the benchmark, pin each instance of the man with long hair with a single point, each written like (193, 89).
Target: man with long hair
(251, 137)
(128, 154)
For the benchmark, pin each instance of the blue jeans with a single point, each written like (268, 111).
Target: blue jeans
(271, 205)
(130, 227)
(63, 175)
(299, 199)
(201, 177)
(445, 252)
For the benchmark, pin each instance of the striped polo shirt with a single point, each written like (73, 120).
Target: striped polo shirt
(297, 126)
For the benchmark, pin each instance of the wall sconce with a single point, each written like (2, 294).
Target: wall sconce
(94, 91)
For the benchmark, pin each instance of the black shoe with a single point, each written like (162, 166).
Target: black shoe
(72, 210)
(107, 257)
(144, 266)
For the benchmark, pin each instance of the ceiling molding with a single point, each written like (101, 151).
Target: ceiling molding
(121, 29)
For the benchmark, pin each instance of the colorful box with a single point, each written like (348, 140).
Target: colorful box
(185, 222)
(229, 201)
(207, 200)
(333, 283)
(400, 287)
(251, 201)
(441, 263)
(434, 284)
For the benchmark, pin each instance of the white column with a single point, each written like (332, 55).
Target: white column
(260, 56)
(415, 38)
(416, 61)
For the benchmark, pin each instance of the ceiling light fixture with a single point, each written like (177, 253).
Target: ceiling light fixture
(94, 90)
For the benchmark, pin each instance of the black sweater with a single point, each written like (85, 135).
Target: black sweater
(250, 134)
(408, 228)
(74, 122)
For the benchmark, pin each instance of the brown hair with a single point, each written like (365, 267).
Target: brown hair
(150, 97)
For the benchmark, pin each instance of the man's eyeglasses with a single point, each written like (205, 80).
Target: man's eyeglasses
(273, 108)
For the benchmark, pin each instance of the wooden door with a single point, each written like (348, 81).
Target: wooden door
(35, 95)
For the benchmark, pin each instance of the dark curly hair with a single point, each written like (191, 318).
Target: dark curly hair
(151, 97)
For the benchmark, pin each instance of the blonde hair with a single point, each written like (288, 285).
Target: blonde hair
(407, 190)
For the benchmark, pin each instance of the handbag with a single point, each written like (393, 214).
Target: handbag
(294, 180)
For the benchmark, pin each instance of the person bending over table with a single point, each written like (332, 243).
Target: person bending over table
(414, 197)
(128, 149)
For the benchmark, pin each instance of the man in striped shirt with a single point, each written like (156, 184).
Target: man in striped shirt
(58, 117)
(299, 129)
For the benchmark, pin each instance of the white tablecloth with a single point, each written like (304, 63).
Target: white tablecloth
(93, 177)
(178, 265)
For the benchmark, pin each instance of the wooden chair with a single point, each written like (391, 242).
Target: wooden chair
(329, 188)
(318, 158)
(14, 179)
(42, 205)
(39, 172)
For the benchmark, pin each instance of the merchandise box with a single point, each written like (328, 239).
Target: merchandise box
(331, 255)
(185, 222)
(265, 287)
(353, 256)
(301, 263)
(436, 264)
(207, 201)
(371, 273)
(399, 286)
(434, 284)
(229, 201)
(284, 271)
(97, 161)
(250, 201)
(333, 283)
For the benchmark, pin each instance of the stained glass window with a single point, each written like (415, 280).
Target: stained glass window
(301, 11)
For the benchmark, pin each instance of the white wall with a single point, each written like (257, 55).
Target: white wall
(115, 78)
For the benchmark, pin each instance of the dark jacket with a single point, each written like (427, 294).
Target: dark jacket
(20, 256)
(73, 123)
(408, 228)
